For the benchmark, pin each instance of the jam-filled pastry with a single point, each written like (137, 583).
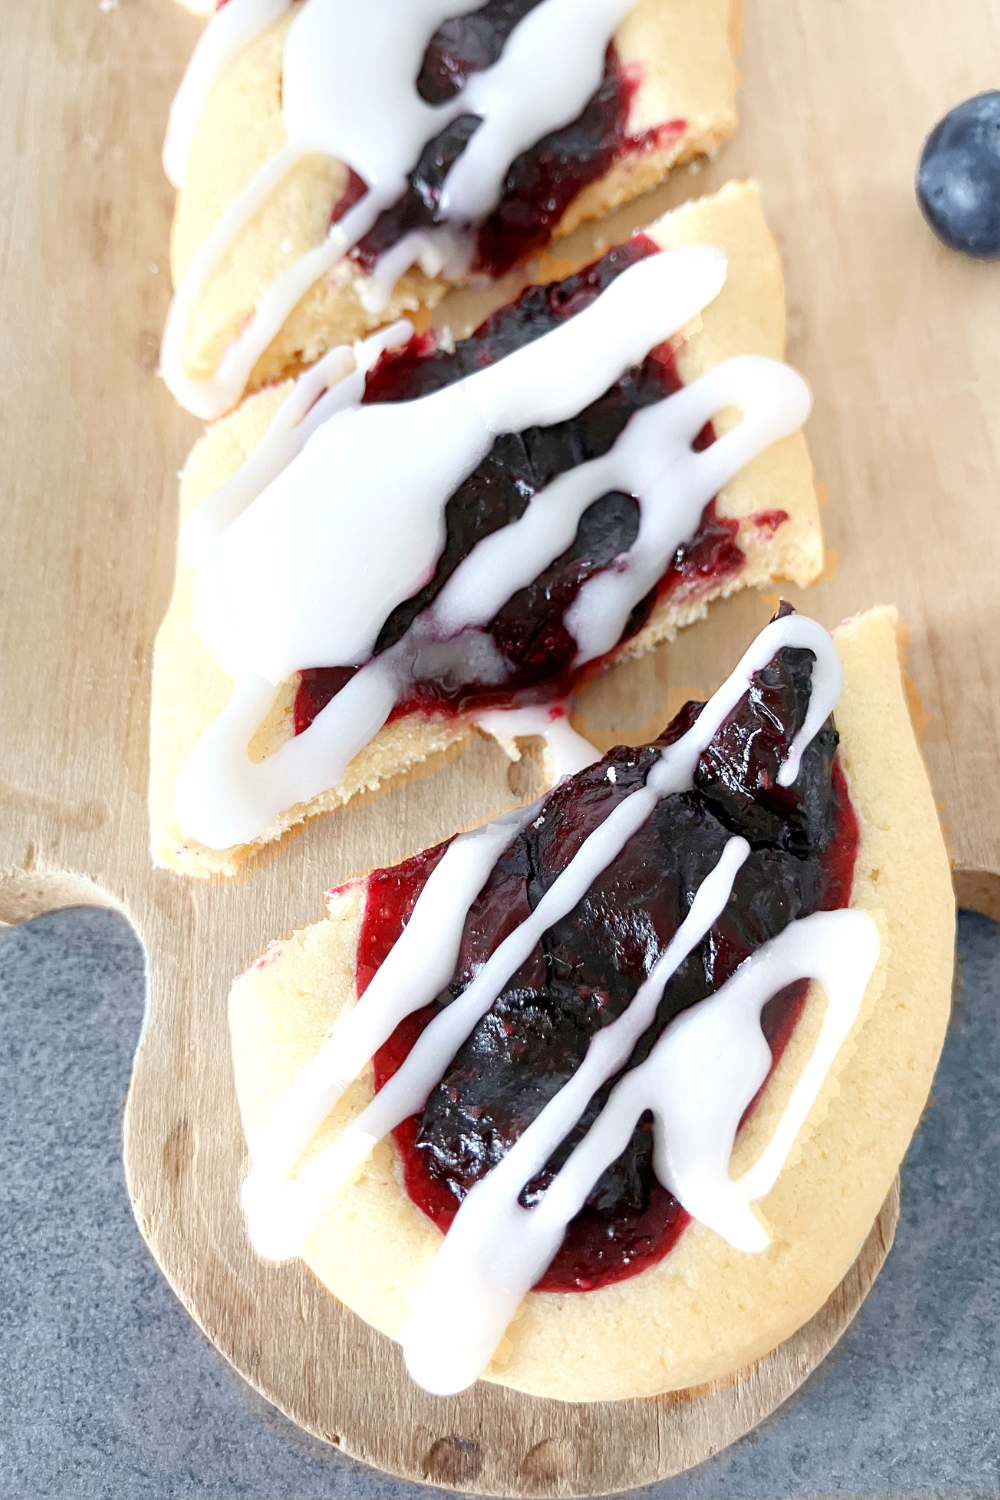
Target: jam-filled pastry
(556, 1102)
(488, 528)
(341, 164)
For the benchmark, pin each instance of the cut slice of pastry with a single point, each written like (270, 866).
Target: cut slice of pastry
(486, 531)
(585, 1034)
(324, 194)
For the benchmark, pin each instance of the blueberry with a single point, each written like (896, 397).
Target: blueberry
(958, 183)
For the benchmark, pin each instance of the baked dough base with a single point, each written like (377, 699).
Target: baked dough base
(706, 1310)
(684, 50)
(190, 690)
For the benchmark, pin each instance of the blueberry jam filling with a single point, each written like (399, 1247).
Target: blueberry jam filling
(529, 631)
(420, 367)
(467, 44)
(542, 182)
(587, 967)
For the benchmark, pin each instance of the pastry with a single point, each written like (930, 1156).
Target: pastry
(693, 881)
(300, 586)
(288, 110)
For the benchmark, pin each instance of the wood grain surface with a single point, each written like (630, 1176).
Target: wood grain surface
(901, 341)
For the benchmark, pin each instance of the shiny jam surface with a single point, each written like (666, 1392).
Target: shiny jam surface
(528, 631)
(588, 966)
(543, 181)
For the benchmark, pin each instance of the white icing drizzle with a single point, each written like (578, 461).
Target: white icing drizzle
(348, 91)
(488, 1288)
(652, 459)
(567, 751)
(354, 524)
(223, 798)
(416, 970)
(281, 1210)
(231, 29)
(698, 1080)
(336, 382)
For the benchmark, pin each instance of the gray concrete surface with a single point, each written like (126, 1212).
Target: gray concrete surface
(107, 1389)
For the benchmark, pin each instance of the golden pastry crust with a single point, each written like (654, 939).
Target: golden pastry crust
(683, 49)
(190, 689)
(706, 1310)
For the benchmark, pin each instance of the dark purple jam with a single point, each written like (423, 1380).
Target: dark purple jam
(542, 182)
(588, 966)
(467, 44)
(317, 685)
(529, 631)
(420, 367)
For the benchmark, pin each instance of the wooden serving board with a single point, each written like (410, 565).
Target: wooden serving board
(901, 341)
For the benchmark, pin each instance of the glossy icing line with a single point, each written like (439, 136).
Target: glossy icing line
(232, 28)
(280, 1209)
(653, 459)
(416, 970)
(487, 1289)
(365, 498)
(698, 1081)
(566, 751)
(348, 91)
(336, 382)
